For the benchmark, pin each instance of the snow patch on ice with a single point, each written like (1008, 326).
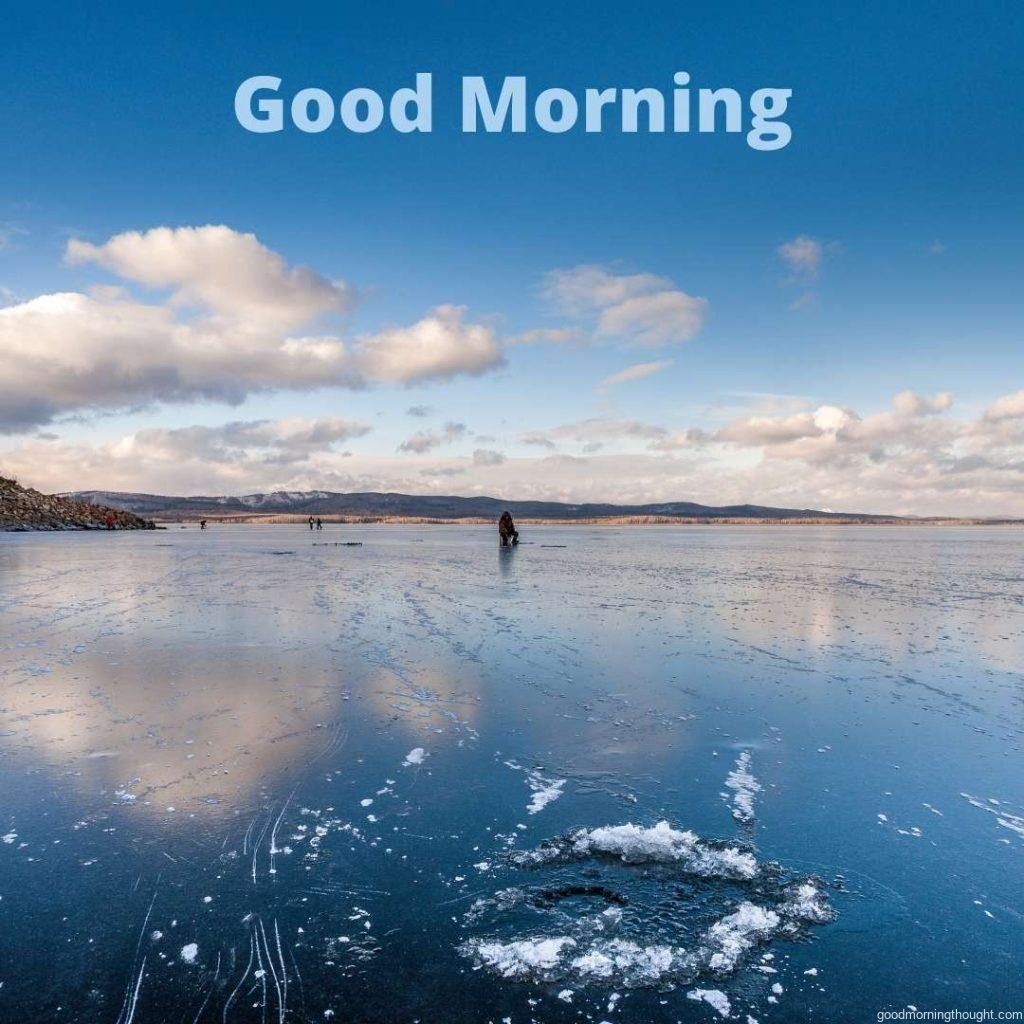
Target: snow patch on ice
(545, 791)
(738, 933)
(744, 789)
(522, 958)
(716, 999)
(189, 952)
(415, 756)
(634, 844)
(626, 961)
(588, 956)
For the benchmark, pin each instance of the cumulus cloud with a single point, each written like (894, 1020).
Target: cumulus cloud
(635, 372)
(487, 457)
(426, 441)
(419, 411)
(439, 346)
(69, 351)
(1009, 407)
(582, 289)
(189, 457)
(771, 430)
(913, 457)
(237, 321)
(651, 321)
(909, 403)
(643, 310)
(840, 436)
(264, 441)
(803, 255)
(216, 269)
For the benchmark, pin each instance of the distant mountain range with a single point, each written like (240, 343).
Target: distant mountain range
(375, 504)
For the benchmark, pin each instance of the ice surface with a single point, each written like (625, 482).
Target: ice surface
(1013, 822)
(264, 697)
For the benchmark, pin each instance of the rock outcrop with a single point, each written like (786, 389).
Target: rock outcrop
(22, 508)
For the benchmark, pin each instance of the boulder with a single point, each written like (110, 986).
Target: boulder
(22, 508)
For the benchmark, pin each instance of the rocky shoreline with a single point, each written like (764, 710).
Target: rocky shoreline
(22, 508)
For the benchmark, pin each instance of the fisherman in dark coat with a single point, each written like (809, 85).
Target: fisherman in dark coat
(507, 532)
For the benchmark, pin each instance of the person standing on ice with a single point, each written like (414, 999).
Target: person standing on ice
(319, 523)
(311, 522)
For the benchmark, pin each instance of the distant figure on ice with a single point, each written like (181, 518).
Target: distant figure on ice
(507, 532)
(319, 523)
(202, 524)
(109, 520)
(311, 522)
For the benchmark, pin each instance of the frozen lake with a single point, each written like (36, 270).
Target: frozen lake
(253, 774)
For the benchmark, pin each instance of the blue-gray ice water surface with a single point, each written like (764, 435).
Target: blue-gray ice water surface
(647, 774)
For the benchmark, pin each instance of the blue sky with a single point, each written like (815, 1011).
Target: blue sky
(903, 172)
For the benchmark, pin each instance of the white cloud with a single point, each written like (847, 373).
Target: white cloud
(760, 430)
(420, 443)
(70, 352)
(487, 457)
(437, 347)
(636, 372)
(550, 335)
(1009, 407)
(191, 457)
(909, 458)
(909, 403)
(588, 287)
(642, 310)
(597, 430)
(655, 320)
(803, 255)
(425, 441)
(224, 333)
(216, 269)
